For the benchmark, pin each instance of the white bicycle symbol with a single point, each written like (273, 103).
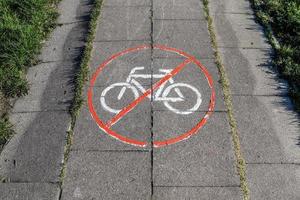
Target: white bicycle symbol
(160, 95)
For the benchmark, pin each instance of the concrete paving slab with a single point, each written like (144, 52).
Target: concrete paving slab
(108, 175)
(20, 124)
(239, 30)
(136, 124)
(268, 129)
(189, 36)
(54, 72)
(119, 69)
(273, 181)
(51, 87)
(191, 72)
(251, 73)
(124, 23)
(193, 76)
(217, 7)
(29, 191)
(66, 42)
(88, 136)
(104, 50)
(74, 11)
(37, 153)
(43, 98)
(123, 3)
(178, 9)
(195, 193)
(205, 159)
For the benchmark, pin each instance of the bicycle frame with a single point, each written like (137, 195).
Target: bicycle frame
(157, 97)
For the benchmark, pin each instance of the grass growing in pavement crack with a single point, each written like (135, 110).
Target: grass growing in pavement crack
(241, 165)
(81, 78)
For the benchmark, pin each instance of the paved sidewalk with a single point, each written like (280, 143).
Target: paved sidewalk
(203, 166)
(172, 142)
(101, 167)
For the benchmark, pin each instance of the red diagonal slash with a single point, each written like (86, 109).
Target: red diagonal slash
(134, 103)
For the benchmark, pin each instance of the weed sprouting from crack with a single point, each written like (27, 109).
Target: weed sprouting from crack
(81, 78)
(241, 164)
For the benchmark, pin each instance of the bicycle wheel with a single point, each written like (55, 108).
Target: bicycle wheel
(178, 111)
(113, 86)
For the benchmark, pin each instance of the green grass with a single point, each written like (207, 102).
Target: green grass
(81, 78)
(5, 130)
(281, 20)
(24, 25)
(241, 164)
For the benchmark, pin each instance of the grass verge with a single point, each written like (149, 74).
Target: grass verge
(81, 78)
(281, 22)
(241, 164)
(23, 26)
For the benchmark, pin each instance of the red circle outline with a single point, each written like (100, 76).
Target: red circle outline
(161, 143)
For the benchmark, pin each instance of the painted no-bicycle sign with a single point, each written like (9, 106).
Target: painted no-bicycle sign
(180, 97)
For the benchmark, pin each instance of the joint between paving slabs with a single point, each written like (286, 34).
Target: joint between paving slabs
(39, 111)
(231, 13)
(197, 111)
(112, 150)
(259, 95)
(5, 180)
(177, 19)
(73, 22)
(49, 61)
(56, 61)
(127, 6)
(152, 113)
(272, 163)
(242, 47)
(181, 58)
(197, 186)
(141, 40)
